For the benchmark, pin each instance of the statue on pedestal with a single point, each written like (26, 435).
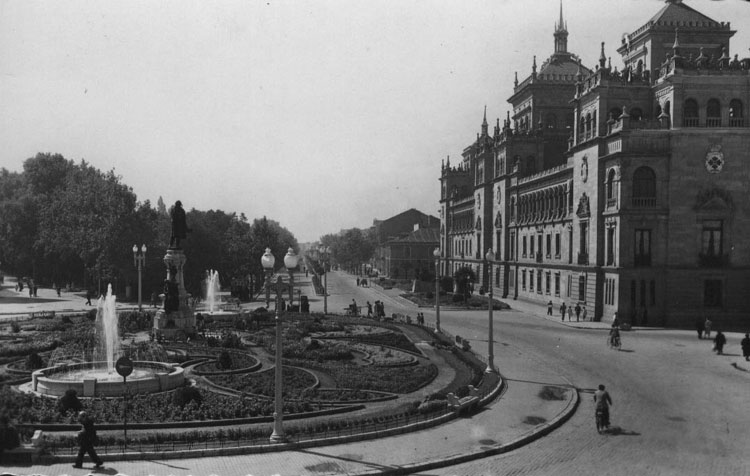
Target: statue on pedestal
(179, 225)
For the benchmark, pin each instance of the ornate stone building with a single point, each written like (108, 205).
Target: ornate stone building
(625, 191)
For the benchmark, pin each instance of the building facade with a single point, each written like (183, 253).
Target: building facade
(624, 191)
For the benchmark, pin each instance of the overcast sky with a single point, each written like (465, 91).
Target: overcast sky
(320, 114)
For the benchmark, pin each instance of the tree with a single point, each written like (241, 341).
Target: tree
(464, 277)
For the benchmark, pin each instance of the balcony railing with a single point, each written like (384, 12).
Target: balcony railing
(690, 122)
(713, 260)
(583, 258)
(713, 122)
(644, 202)
(736, 122)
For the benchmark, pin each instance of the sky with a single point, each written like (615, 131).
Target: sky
(322, 115)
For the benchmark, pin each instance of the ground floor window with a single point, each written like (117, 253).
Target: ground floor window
(539, 281)
(582, 288)
(531, 281)
(557, 284)
(548, 279)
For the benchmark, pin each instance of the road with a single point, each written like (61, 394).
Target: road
(678, 407)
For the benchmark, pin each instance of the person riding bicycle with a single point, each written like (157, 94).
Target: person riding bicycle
(603, 401)
(614, 336)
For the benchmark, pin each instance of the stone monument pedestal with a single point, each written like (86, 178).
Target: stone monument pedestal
(169, 322)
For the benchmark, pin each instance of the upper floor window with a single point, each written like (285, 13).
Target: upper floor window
(712, 243)
(551, 121)
(642, 255)
(636, 114)
(713, 113)
(736, 116)
(690, 113)
(644, 187)
(610, 185)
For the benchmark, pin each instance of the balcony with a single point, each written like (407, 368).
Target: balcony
(583, 258)
(713, 122)
(736, 122)
(644, 202)
(539, 257)
(713, 260)
(690, 122)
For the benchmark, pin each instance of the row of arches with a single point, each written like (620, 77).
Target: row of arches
(713, 113)
(551, 203)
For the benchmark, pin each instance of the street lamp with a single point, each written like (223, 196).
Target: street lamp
(267, 261)
(490, 256)
(139, 260)
(325, 252)
(436, 254)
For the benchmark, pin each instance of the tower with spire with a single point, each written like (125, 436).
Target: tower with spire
(561, 34)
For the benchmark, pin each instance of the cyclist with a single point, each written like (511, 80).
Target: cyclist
(603, 401)
(614, 336)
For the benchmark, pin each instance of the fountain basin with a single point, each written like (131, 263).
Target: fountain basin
(91, 379)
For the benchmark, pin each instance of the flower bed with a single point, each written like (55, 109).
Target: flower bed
(295, 382)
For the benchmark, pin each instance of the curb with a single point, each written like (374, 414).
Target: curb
(533, 435)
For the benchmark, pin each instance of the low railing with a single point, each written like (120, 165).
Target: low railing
(644, 202)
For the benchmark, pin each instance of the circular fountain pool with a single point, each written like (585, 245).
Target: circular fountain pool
(92, 379)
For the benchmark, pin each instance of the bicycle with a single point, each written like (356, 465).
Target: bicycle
(614, 342)
(599, 420)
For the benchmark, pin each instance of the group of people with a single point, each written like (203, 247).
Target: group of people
(377, 311)
(580, 311)
(363, 282)
(703, 327)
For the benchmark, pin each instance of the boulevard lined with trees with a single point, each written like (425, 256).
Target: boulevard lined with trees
(67, 223)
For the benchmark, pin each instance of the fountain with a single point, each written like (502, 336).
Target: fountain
(213, 287)
(94, 374)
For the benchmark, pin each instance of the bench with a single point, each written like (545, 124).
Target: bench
(467, 403)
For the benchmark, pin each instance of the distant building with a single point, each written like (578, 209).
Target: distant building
(625, 191)
(398, 226)
(410, 255)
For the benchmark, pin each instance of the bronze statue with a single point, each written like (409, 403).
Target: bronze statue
(179, 225)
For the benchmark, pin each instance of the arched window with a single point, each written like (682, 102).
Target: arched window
(713, 113)
(615, 113)
(690, 113)
(636, 114)
(644, 187)
(736, 117)
(610, 186)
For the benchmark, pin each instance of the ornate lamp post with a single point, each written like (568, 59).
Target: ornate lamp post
(267, 261)
(325, 252)
(490, 256)
(290, 262)
(139, 260)
(436, 254)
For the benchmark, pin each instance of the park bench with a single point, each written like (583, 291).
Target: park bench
(43, 315)
(467, 403)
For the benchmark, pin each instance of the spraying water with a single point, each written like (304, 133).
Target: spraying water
(108, 333)
(213, 287)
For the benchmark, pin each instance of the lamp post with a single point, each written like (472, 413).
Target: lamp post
(267, 261)
(436, 254)
(139, 259)
(490, 256)
(325, 252)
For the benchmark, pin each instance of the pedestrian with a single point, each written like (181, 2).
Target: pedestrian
(31, 290)
(88, 297)
(549, 308)
(699, 327)
(57, 288)
(578, 312)
(357, 282)
(745, 344)
(615, 320)
(719, 342)
(707, 328)
(562, 311)
(584, 313)
(369, 309)
(603, 402)
(86, 441)
(353, 307)
(570, 314)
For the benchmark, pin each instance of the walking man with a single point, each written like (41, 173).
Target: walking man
(549, 308)
(584, 313)
(719, 342)
(745, 344)
(578, 312)
(562, 311)
(87, 440)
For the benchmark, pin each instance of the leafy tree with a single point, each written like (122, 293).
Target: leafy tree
(69, 402)
(463, 277)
